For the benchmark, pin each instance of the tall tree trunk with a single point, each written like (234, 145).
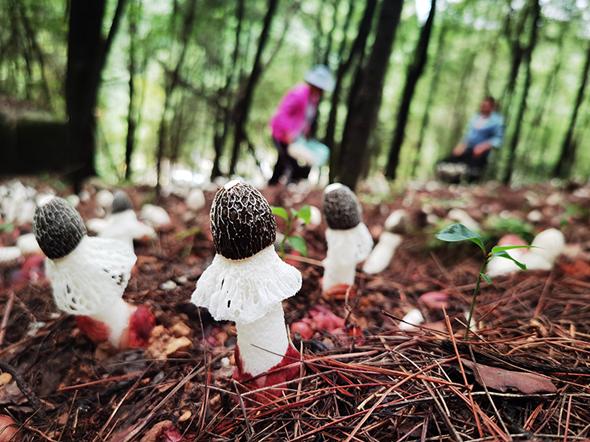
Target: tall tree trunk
(87, 52)
(363, 112)
(243, 103)
(545, 100)
(223, 111)
(432, 89)
(528, 55)
(132, 67)
(356, 51)
(172, 81)
(517, 55)
(568, 147)
(415, 70)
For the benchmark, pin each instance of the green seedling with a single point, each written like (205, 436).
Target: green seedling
(460, 233)
(297, 242)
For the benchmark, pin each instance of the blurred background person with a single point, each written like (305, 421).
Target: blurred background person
(294, 119)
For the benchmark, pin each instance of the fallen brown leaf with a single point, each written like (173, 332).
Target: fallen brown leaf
(504, 380)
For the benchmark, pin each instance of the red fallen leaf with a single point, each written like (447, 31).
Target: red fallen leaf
(163, 431)
(324, 319)
(577, 268)
(435, 300)
(503, 380)
(8, 429)
(303, 328)
(141, 324)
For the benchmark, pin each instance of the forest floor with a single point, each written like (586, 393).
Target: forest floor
(522, 374)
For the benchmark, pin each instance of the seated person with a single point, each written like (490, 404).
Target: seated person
(469, 158)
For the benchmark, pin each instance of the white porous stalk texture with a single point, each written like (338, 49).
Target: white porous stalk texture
(383, 252)
(116, 315)
(244, 290)
(264, 342)
(346, 248)
(91, 279)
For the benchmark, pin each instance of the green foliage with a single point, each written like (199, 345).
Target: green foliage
(458, 233)
(498, 226)
(294, 220)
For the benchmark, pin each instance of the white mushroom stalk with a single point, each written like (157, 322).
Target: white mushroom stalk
(123, 224)
(247, 281)
(383, 252)
(349, 240)
(88, 274)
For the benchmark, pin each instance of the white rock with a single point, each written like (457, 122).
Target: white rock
(382, 253)
(168, 285)
(411, 319)
(195, 200)
(155, 216)
(316, 216)
(534, 216)
(394, 219)
(463, 217)
(74, 200)
(554, 199)
(84, 196)
(9, 254)
(28, 245)
(104, 198)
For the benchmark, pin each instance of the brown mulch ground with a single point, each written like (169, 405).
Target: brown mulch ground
(532, 328)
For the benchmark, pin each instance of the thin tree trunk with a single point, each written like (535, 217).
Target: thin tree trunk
(243, 104)
(432, 90)
(171, 84)
(528, 55)
(223, 112)
(363, 112)
(87, 52)
(132, 67)
(415, 70)
(356, 51)
(568, 147)
(545, 99)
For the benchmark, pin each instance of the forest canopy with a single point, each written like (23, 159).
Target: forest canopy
(193, 83)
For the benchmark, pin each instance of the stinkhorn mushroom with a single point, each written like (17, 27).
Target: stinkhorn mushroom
(545, 249)
(246, 283)
(349, 240)
(123, 224)
(89, 275)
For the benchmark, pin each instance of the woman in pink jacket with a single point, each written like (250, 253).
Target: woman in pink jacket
(294, 118)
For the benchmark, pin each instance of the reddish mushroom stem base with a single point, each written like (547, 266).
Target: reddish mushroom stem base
(340, 292)
(283, 372)
(136, 335)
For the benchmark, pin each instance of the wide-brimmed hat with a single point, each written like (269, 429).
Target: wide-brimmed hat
(321, 77)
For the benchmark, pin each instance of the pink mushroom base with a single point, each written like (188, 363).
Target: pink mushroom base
(283, 372)
(136, 335)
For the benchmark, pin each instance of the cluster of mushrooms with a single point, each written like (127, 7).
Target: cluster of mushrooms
(245, 283)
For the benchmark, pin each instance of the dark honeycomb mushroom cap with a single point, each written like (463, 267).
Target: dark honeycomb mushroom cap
(242, 222)
(121, 202)
(341, 207)
(58, 228)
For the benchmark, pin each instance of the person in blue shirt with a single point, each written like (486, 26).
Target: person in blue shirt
(485, 132)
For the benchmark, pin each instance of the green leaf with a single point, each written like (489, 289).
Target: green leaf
(188, 232)
(304, 214)
(486, 278)
(505, 255)
(498, 249)
(298, 243)
(8, 227)
(280, 212)
(458, 232)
